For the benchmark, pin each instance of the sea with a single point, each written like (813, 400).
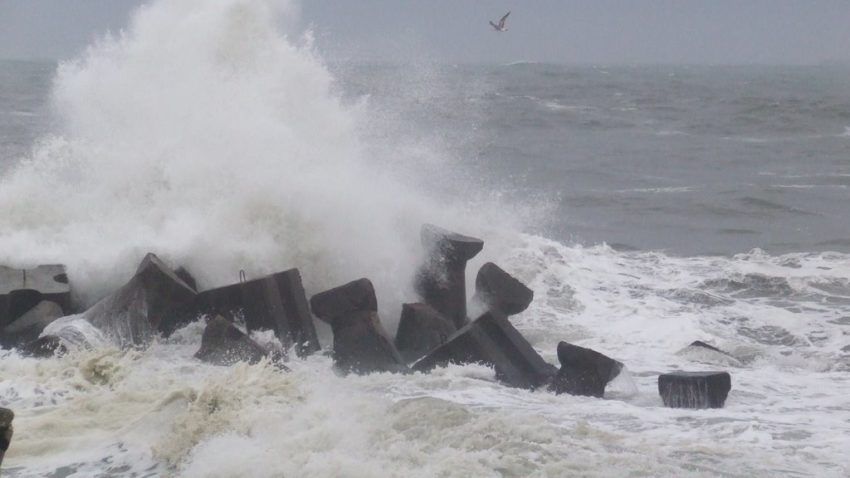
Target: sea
(647, 207)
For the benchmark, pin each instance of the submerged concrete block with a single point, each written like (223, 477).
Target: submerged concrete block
(223, 344)
(694, 389)
(583, 371)
(6, 430)
(361, 345)
(441, 281)
(500, 291)
(703, 352)
(23, 289)
(420, 330)
(492, 340)
(700, 345)
(27, 327)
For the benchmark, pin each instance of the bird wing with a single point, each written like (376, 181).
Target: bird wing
(494, 25)
(502, 21)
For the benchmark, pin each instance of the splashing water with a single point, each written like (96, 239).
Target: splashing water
(204, 134)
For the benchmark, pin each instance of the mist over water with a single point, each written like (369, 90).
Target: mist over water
(210, 136)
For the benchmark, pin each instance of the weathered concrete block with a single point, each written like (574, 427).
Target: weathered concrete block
(701, 344)
(6, 430)
(361, 345)
(27, 327)
(224, 344)
(150, 302)
(341, 302)
(703, 352)
(583, 371)
(500, 291)
(492, 340)
(275, 302)
(441, 281)
(694, 389)
(225, 301)
(23, 289)
(278, 302)
(420, 330)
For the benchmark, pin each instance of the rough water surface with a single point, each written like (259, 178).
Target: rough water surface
(206, 135)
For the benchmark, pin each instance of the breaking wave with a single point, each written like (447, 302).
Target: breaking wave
(207, 135)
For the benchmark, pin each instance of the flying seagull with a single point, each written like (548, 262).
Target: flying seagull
(501, 26)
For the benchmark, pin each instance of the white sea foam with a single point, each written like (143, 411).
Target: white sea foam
(162, 411)
(205, 135)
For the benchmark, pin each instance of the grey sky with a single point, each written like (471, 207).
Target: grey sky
(580, 31)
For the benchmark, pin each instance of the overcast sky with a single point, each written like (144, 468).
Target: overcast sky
(571, 31)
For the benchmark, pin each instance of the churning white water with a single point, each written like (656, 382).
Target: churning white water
(206, 135)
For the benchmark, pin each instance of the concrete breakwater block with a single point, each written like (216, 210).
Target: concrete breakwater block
(275, 302)
(694, 389)
(28, 327)
(492, 340)
(420, 330)
(6, 417)
(500, 291)
(707, 353)
(361, 345)
(23, 289)
(223, 344)
(147, 303)
(583, 371)
(441, 281)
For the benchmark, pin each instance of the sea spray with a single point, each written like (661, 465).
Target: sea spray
(203, 133)
(786, 416)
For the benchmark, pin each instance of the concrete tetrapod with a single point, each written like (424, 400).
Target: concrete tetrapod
(28, 327)
(223, 344)
(420, 330)
(361, 345)
(23, 289)
(149, 302)
(498, 290)
(694, 389)
(275, 302)
(6, 417)
(492, 340)
(441, 281)
(583, 371)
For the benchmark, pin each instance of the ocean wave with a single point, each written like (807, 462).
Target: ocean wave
(523, 63)
(205, 135)
(161, 411)
(662, 190)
